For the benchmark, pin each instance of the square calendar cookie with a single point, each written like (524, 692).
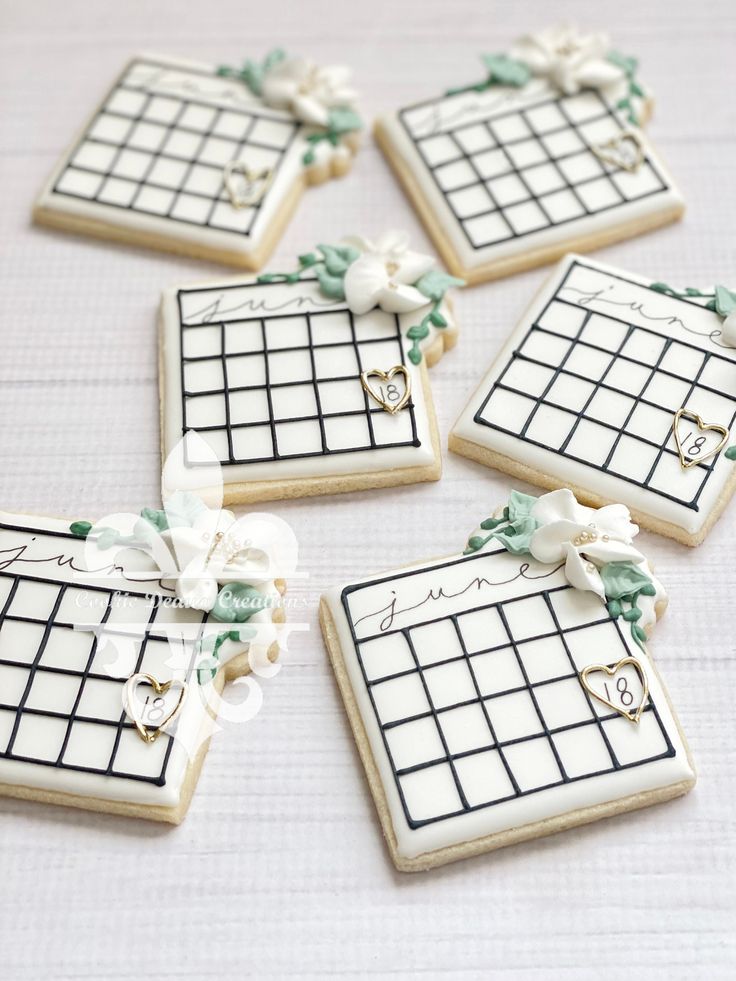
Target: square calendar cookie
(109, 681)
(503, 693)
(205, 161)
(545, 155)
(622, 388)
(312, 382)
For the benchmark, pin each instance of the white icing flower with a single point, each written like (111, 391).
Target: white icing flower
(571, 61)
(383, 275)
(584, 538)
(217, 549)
(307, 90)
(728, 330)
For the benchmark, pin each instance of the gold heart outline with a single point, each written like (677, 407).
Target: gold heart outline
(246, 200)
(160, 688)
(606, 151)
(687, 461)
(385, 376)
(591, 668)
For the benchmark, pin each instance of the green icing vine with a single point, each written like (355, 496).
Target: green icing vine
(329, 267)
(501, 70)
(330, 264)
(252, 72)
(623, 582)
(629, 67)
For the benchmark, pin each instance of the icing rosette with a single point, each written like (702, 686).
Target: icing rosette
(595, 546)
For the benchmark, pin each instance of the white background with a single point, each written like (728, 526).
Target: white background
(279, 870)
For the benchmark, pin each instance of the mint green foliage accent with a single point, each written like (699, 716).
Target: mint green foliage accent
(730, 453)
(329, 267)
(501, 70)
(80, 528)
(629, 67)
(252, 72)
(721, 301)
(434, 284)
(340, 120)
(624, 583)
(211, 644)
(514, 530)
(180, 511)
(725, 301)
(237, 602)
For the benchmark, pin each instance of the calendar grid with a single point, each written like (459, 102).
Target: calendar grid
(54, 693)
(334, 414)
(501, 752)
(500, 186)
(670, 390)
(192, 189)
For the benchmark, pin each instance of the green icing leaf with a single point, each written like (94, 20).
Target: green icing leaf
(614, 608)
(343, 119)
(417, 333)
(157, 519)
(435, 283)
(237, 602)
(662, 288)
(506, 71)
(182, 508)
(414, 355)
(338, 258)
(80, 528)
(272, 59)
(516, 538)
(638, 633)
(330, 285)
(730, 453)
(106, 537)
(490, 523)
(437, 319)
(475, 543)
(621, 579)
(520, 505)
(725, 301)
(624, 62)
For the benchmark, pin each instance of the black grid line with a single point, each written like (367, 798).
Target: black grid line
(598, 721)
(173, 194)
(664, 447)
(543, 206)
(35, 668)
(308, 346)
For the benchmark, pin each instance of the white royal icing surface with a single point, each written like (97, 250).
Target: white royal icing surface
(154, 161)
(508, 170)
(71, 635)
(459, 664)
(673, 357)
(311, 370)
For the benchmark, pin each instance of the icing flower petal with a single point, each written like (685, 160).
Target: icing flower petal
(394, 241)
(364, 281)
(728, 330)
(196, 587)
(570, 60)
(309, 109)
(399, 298)
(557, 505)
(601, 552)
(598, 74)
(583, 574)
(412, 266)
(549, 543)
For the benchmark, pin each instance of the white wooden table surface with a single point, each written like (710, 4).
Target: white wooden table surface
(279, 870)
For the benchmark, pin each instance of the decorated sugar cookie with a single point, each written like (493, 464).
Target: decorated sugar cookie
(116, 639)
(619, 386)
(506, 692)
(311, 381)
(204, 160)
(544, 153)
